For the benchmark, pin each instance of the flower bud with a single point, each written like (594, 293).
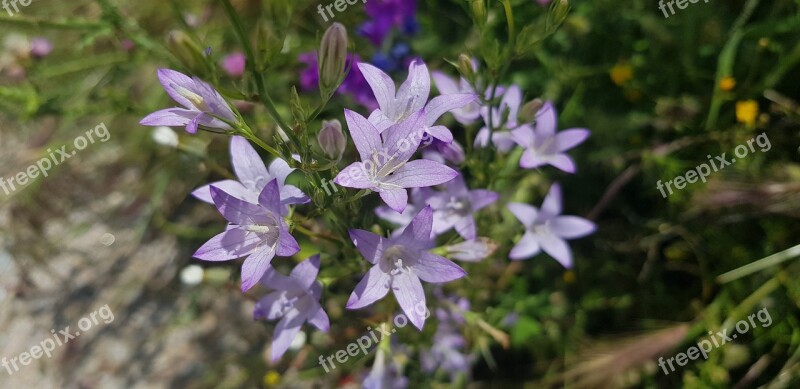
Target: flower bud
(466, 67)
(332, 58)
(188, 52)
(479, 11)
(331, 139)
(559, 9)
(528, 112)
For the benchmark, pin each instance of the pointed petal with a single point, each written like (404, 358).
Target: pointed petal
(171, 117)
(465, 227)
(234, 210)
(247, 163)
(527, 247)
(435, 269)
(557, 248)
(280, 169)
(472, 250)
(396, 199)
(285, 332)
(571, 227)
(413, 94)
(231, 187)
(270, 197)
(171, 79)
(381, 84)
(523, 136)
(291, 194)
(228, 245)
(551, 206)
(503, 141)
(440, 105)
(192, 126)
(526, 214)
(568, 139)
(286, 245)
(269, 307)
(255, 266)
(562, 162)
(421, 173)
(354, 176)
(482, 138)
(370, 289)
(318, 318)
(365, 136)
(409, 294)
(546, 120)
(420, 228)
(380, 121)
(530, 160)
(402, 140)
(273, 279)
(368, 244)
(441, 133)
(306, 272)
(444, 83)
(481, 198)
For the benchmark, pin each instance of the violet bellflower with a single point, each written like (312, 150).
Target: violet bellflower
(385, 15)
(203, 106)
(456, 206)
(411, 98)
(384, 375)
(419, 199)
(543, 146)
(257, 232)
(354, 84)
(447, 86)
(399, 263)
(385, 167)
(294, 300)
(253, 175)
(447, 352)
(546, 229)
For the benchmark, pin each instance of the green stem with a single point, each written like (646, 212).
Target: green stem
(760, 265)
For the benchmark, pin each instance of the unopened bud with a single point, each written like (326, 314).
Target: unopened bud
(528, 112)
(559, 9)
(466, 67)
(331, 139)
(332, 58)
(479, 11)
(188, 52)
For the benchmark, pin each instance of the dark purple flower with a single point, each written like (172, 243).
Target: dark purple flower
(203, 105)
(386, 15)
(257, 232)
(543, 146)
(354, 84)
(399, 263)
(295, 300)
(546, 229)
(385, 167)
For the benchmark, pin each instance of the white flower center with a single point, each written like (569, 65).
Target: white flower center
(194, 98)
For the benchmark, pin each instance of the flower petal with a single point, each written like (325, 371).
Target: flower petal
(546, 120)
(413, 93)
(571, 227)
(562, 162)
(370, 289)
(172, 117)
(465, 227)
(285, 332)
(421, 173)
(279, 169)
(318, 318)
(286, 245)
(365, 136)
(481, 198)
(235, 210)
(530, 160)
(171, 79)
(551, 206)
(409, 294)
(527, 247)
(525, 213)
(523, 136)
(255, 266)
(437, 269)
(420, 228)
(231, 244)
(306, 272)
(568, 139)
(440, 105)
(441, 133)
(368, 244)
(247, 163)
(270, 307)
(231, 187)
(396, 199)
(381, 84)
(270, 197)
(354, 176)
(557, 248)
(444, 83)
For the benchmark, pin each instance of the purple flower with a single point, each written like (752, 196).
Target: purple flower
(253, 177)
(234, 64)
(383, 375)
(472, 250)
(399, 264)
(543, 146)
(455, 207)
(446, 353)
(509, 108)
(257, 232)
(448, 86)
(445, 152)
(419, 199)
(295, 300)
(203, 105)
(546, 229)
(41, 47)
(385, 15)
(411, 98)
(385, 166)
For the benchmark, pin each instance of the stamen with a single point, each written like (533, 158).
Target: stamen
(194, 98)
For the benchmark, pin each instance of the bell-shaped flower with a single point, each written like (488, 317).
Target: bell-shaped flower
(203, 106)
(467, 114)
(253, 175)
(294, 300)
(544, 146)
(385, 167)
(502, 119)
(257, 232)
(456, 206)
(546, 229)
(399, 263)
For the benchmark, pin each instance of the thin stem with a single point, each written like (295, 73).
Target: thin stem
(761, 264)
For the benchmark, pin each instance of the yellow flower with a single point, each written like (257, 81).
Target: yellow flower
(747, 112)
(727, 84)
(272, 378)
(621, 73)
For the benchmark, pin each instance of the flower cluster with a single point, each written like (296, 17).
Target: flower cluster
(403, 150)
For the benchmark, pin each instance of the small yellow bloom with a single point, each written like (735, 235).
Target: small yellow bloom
(621, 73)
(747, 112)
(569, 277)
(727, 84)
(272, 378)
